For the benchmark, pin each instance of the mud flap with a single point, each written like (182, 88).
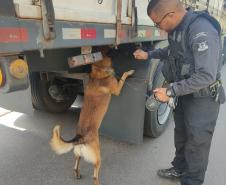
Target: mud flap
(124, 120)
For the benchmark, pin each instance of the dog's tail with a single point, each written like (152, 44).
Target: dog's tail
(60, 146)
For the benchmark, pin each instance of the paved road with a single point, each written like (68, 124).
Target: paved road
(26, 159)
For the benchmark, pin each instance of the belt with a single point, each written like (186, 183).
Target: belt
(211, 90)
(215, 87)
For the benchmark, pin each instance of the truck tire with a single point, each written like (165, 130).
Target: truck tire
(157, 121)
(41, 98)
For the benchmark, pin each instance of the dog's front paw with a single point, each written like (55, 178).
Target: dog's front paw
(131, 72)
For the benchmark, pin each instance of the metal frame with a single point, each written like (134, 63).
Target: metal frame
(29, 34)
(7, 8)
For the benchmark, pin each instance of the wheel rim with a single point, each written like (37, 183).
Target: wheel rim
(55, 93)
(58, 92)
(163, 113)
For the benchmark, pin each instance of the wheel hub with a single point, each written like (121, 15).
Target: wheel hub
(56, 92)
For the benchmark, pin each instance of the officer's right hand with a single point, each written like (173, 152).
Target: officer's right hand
(140, 54)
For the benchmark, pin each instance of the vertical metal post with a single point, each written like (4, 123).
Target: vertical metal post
(207, 4)
(118, 21)
(48, 19)
(134, 19)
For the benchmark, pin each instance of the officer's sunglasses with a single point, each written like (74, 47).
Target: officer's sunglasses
(157, 24)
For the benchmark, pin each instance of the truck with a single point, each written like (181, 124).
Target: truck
(47, 46)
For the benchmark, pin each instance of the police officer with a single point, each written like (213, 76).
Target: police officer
(192, 67)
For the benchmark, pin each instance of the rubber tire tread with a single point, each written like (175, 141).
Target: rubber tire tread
(151, 127)
(41, 100)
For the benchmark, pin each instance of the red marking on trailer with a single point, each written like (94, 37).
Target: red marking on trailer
(10, 35)
(149, 33)
(88, 33)
(122, 34)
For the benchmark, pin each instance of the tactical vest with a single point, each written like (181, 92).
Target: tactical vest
(180, 64)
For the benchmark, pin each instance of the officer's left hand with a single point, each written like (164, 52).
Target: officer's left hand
(160, 94)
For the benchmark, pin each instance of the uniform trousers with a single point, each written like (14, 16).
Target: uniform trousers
(195, 120)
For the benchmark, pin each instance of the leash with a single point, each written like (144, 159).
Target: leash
(152, 101)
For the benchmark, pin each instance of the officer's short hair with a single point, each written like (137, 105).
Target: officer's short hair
(152, 4)
(161, 5)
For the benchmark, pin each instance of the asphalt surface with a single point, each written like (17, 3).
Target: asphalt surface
(26, 158)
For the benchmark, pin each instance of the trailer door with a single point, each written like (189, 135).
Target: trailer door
(99, 11)
(142, 16)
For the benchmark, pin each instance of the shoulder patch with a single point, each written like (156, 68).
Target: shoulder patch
(202, 46)
(201, 34)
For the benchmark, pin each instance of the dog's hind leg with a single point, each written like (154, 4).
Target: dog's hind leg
(96, 173)
(97, 162)
(76, 168)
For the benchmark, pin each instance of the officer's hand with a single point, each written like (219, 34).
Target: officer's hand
(160, 94)
(140, 54)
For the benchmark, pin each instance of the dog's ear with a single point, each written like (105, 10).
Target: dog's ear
(104, 50)
(105, 63)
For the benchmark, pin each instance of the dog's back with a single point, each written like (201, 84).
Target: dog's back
(96, 101)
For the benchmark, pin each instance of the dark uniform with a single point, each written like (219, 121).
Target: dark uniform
(194, 47)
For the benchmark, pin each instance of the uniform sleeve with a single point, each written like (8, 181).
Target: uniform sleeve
(161, 53)
(204, 42)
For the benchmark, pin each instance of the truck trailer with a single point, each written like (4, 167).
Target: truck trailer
(47, 46)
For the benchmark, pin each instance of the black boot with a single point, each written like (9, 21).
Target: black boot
(170, 173)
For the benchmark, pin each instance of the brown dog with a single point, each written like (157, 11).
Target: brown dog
(102, 84)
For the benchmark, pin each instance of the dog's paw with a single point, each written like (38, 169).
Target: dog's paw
(77, 175)
(131, 72)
